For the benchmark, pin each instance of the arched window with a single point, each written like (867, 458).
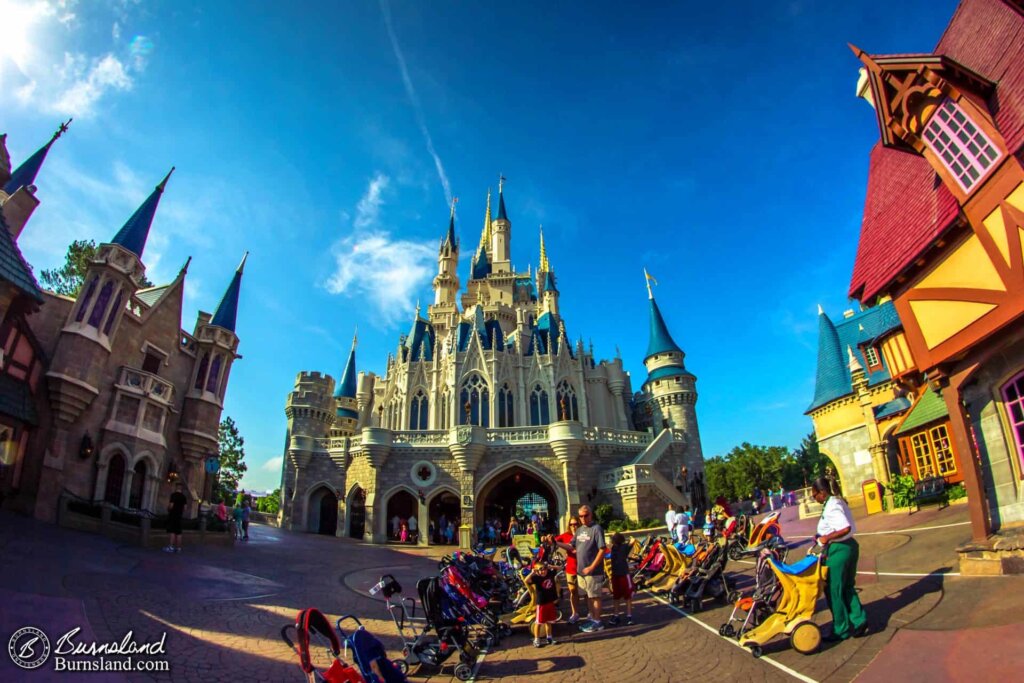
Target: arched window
(90, 290)
(114, 310)
(201, 375)
(540, 412)
(96, 317)
(568, 408)
(442, 407)
(505, 410)
(211, 383)
(418, 410)
(477, 399)
(1013, 395)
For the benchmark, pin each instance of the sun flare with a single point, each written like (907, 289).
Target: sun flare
(18, 19)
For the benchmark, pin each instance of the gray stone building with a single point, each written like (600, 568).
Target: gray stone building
(104, 396)
(487, 409)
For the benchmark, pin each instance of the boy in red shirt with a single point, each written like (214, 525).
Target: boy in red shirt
(543, 581)
(571, 580)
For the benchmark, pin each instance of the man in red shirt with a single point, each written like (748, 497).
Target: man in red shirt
(570, 565)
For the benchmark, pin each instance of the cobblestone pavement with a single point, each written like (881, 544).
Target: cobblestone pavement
(222, 608)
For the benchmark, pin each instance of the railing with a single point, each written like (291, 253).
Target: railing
(420, 438)
(656, 449)
(518, 434)
(627, 474)
(619, 436)
(147, 383)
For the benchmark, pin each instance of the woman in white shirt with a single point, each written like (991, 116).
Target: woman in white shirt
(835, 532)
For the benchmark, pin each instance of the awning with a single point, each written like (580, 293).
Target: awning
(929, 408)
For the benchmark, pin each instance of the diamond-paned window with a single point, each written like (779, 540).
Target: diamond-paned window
(963, 148)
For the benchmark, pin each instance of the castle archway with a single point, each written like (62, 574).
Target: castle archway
(115, 479)
(520, 490)
(401, 506)
(356, 513)
(322, 515)
(442, 512)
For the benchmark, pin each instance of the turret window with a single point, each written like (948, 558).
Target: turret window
(568, 408)
(211, 383)
(506, 415)
(963, 148)
(476, 402)
(114, 311)
(201, 375)
(84, 305)
(96, 318)
(540, 411)
(418, 411)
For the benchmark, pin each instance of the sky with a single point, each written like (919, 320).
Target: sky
(719, 145)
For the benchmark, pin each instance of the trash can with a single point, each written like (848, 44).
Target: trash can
(872, 496)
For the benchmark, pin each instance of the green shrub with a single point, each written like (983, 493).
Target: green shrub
(604, 514)
(956, 492)
(902, 490)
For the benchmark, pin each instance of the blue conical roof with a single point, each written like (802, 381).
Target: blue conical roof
(29, 169)
(661, 341)
(481, 264)
(449, 238)
(832, 379)
(549, 282)
(347, 385)
(502, 216)
(134, 233)
(227, 309)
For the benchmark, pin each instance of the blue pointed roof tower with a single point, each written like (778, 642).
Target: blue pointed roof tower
(347, 383)
(134, 233)
(669, 361)
(227, 309)
(450, 240)
(832, 379)
(29, 169)
(502, 216)
(481, 266)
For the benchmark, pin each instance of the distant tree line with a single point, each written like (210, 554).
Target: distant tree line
(748, 467)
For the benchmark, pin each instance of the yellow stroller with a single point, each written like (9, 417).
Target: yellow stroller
(802, 583)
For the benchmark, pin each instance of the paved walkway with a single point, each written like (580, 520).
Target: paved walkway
(222, 609)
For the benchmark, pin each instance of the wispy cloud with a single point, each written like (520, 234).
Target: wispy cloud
(385, 9)
(370, 263)
(273, 464)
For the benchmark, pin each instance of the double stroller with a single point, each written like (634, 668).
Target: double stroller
(372, 663)
(705, 578)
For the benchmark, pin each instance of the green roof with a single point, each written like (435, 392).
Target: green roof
(152, 295)
(929, 408)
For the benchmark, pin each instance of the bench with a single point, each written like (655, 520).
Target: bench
(929, 489)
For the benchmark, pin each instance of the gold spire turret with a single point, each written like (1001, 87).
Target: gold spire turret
(485, 236)
(544, 264)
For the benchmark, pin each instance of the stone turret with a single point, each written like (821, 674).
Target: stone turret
(310, 410)
(501, 236)
(672, 388)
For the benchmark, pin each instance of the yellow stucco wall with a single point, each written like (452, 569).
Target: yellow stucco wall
(846, 413)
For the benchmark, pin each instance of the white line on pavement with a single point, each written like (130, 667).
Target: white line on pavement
(782, 667)
(901, 531)
(476, 667)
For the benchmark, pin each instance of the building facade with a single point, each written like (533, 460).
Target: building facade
(941, 237)
(484, 404)
(103, 396)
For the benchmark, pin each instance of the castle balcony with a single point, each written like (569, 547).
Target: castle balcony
(145, 384)
(140, 409)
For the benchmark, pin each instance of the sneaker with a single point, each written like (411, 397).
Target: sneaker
(574, 618)
(169, 549)
(592, 626)
(613, 620)
(537, 643)
(552, 641)
(629, 621)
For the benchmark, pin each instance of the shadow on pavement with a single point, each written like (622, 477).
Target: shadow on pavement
(881, 611)
(525, 667)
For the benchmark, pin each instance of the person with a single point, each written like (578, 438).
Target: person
(222, 513)
(682, 520)
(450, 532)
(236, 518)
(622, 582)
(565, 541)
(589, 545)
(414, 529)
(246, 510)
(835, 534)
(513, 528)
(542, 579)
(670, 520)
(395, 522)
(403, 533)
(175, 511)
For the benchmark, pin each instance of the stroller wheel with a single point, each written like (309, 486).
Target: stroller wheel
(504, 629)
(721, 631)
(463, 672)
(805, 638)
(756, 651)
(402, 666)
(728, 631)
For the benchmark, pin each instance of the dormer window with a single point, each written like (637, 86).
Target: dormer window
(960, 145)
(871, 356)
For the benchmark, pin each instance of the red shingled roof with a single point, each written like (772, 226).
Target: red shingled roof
(907, 206)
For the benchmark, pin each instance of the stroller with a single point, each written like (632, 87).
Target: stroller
(750, 611)
(705, 578)
(309, 624)
(428, 640)
(370, 655)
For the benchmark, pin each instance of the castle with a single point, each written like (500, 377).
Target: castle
(486, 405)
(103, 397)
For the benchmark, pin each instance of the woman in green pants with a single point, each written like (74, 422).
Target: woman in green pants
(835, 533)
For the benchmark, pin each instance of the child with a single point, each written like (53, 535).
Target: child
(543, 581)
(622, 582)
(403, 534)
(236, 517)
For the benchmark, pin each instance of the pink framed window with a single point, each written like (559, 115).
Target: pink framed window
(1013, 395)
(963, 148)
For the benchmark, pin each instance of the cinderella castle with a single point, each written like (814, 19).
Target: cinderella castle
(486, 408)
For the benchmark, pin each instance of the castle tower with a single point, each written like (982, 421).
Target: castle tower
(546, 281)
(672, 388)
(217, 346)
(346, 415)
(311, 412)
(500, 234)
(18, 194)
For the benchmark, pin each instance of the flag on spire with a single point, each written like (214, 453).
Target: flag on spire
(649, 279)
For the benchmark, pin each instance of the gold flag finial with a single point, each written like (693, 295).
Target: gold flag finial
(649, 278)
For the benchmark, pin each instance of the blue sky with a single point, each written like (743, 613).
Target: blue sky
(719, 145)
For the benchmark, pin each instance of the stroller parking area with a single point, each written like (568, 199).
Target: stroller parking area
(222, 610)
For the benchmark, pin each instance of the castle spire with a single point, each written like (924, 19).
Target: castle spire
(134, 233)
(25, 175)
(831, 379)
(485, 235)
(227, 309)
(502, 216)
(544, 265)
(347, 383)
(449, 238)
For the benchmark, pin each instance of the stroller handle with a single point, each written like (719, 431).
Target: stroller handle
(342, 618)
(284, 635)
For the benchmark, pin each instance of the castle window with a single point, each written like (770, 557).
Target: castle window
(418, 410)
(96, 317)
(201, 375)
(475, 401)
(568, 409)
(152, 361)
(114, 311)
(211, 383)
(1013, 396)
(86, 299)
(871, 355)
(540, 411)
(127, 410)
(506, 415)
(961, 146)
(442, 417)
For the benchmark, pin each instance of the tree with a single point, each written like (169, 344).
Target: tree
(716, 477)
(270, 503)
(808, 462)
(69, 278)
(232, 455)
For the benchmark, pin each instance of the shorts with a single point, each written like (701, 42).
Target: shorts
(622, 587)
(571, 580)
(547, 613)
(592, 585)
(174, 525)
